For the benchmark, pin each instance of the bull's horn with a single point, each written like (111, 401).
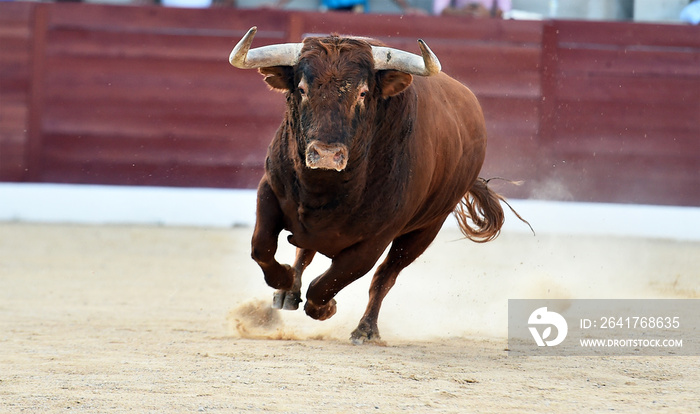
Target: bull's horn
(243, 57)
(386, 58)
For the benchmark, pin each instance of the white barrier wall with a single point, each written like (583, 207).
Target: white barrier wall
(207, 207)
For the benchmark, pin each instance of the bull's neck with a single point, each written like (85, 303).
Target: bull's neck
(329, 188)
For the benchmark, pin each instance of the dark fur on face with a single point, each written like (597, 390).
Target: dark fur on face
(333, 90)
(333, 93)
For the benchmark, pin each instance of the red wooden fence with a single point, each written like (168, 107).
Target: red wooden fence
(145, 96)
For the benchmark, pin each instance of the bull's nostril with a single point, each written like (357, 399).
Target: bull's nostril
(313, 155)
(339, 156)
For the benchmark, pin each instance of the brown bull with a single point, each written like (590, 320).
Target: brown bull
(367, 156)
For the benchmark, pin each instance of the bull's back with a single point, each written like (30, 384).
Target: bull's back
(450, 145)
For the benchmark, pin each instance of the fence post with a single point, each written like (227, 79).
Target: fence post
(549, 69)
(39, 29)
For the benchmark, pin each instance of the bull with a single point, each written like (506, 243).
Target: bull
(377, 148)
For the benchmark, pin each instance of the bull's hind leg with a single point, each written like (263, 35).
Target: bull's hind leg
(290, 299)
(404, 250)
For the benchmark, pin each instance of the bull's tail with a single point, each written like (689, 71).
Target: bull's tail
(482, 206)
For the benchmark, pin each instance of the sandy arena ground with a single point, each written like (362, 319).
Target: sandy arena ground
(156, 319)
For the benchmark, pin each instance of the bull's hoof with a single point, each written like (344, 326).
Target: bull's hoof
(285, 299)
(365, 334)
(320, 312)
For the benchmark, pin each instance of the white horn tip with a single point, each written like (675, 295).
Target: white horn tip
(238, 54)
(432, 64)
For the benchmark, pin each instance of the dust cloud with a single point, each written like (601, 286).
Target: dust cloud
(256, 319)
(551, 188)
(461, 289)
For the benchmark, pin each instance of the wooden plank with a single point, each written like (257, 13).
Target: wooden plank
(640, 141)
(548, 105)
(15, 13)
(488, 57)
(13, 139)
(135, 45)
(626, 34)
(494, 71)
(152, 91)
(158, 174)
(669, 62)
(15, 59)
(36, 97)
(166, 148)
(625, 88)
(154, 19)
(514, 114)
(105, 119)
(13, 113)
(625, 179)
(573, 116)
(519, 85)
(390, 28)
(90, 79)
(194, 44)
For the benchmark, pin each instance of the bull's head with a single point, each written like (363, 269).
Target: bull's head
(334, 85)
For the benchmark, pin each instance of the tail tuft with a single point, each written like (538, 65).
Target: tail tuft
(482, 206)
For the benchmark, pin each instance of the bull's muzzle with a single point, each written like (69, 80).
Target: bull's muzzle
(326, 156)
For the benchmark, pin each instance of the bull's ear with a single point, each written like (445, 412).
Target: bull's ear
(280, 78)
(394, 82)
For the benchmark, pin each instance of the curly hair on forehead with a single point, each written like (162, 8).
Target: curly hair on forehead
(336, 56)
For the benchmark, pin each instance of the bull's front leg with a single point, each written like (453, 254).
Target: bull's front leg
(269, 223)
(348, 266)
(290, 299)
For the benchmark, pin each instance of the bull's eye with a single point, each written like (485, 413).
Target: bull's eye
(301, 87)
(363, 93)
